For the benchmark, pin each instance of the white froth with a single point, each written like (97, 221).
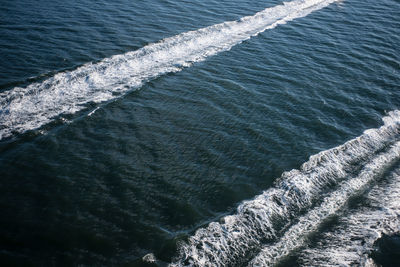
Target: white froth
(29, 108)
(296, 235)
(238, 238)
(351, 241)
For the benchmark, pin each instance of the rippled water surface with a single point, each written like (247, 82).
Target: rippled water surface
(203, 133)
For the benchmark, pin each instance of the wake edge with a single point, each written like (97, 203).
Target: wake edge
(352, 240)
(23, 109)
(272, 224)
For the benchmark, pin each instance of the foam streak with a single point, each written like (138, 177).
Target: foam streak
(352, 240)
(269, 218)
(296, 235)
(29, 108)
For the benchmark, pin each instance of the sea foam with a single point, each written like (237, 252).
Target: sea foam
(40, 103)
(270, 226)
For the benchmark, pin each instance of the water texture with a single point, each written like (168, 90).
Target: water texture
(67, 92)
(198, 133)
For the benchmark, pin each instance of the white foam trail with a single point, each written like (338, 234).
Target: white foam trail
(350, 243)
(238, 238)
(296, 235)
(23, 109)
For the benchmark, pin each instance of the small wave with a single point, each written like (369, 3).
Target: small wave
(276, 222)
(29, 108)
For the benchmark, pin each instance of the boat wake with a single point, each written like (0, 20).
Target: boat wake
(23, 109)
(279, 221)
(351, 241)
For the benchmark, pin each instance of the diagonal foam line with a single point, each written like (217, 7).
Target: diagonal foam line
(29, 108)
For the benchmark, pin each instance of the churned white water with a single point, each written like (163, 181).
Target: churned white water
(352, 240)
(29, 108)
(274, 223)
(296, 235)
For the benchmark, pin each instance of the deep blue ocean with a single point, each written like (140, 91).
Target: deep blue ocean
(199, 133)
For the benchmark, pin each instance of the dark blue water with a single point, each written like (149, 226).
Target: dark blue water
(387, 250)
(108, 155)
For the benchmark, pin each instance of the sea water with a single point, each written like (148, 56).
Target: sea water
(198, 133)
